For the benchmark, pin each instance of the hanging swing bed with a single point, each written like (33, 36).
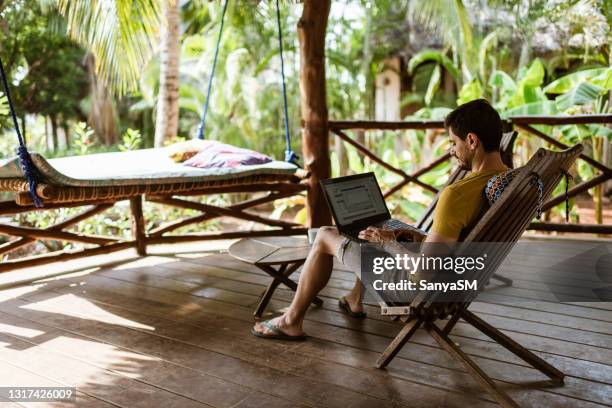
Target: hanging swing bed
(102, 180)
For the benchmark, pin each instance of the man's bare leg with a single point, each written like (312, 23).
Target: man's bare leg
(315, 275)
(355, 296)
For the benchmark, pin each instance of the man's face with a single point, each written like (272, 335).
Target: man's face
(462, 150)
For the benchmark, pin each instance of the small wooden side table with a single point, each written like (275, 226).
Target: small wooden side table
(279, 257)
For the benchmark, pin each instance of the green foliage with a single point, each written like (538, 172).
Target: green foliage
(4, 106)
(121, 34)
(470, 91)
(567, 82)
(582, 94)
(83, 138)
(434, 56)
(132, 140)
(45, 68)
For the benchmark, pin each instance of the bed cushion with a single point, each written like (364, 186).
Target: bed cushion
(217, 154)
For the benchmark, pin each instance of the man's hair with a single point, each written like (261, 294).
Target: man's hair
(477, 117)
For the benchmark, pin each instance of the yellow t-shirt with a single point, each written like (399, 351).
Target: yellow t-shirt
(460, 203)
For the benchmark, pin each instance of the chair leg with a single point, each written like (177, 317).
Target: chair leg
(475, 371)
(513, 346)
(503, 279)
(451, 323)
(396, 345)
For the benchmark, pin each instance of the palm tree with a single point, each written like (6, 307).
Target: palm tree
(451, 20)
(121, 35)
(167, 121)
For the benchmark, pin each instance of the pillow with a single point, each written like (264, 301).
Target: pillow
(496, 185)
(181, 151)
(216, 154)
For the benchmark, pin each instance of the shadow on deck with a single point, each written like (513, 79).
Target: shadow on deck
(172, 330)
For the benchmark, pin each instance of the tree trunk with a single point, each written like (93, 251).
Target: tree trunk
(166, 125)
(53, 143)
(315, 136)
(102, 112)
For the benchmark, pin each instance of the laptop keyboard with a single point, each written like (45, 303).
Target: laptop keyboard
(394, 224)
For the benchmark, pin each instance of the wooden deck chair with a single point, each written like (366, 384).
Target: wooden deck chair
(505, 221)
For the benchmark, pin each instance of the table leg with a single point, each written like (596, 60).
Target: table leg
(280, 276)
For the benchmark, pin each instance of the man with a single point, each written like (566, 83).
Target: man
(475, 132)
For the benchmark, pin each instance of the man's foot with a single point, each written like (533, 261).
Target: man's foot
(278, 329)
(353, 306)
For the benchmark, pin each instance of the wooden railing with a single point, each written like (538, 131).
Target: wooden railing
(523, 123)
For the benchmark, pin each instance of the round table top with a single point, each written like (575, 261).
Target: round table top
(270, 250)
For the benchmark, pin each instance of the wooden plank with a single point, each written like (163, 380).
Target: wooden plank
(101, 383)
(221, 261)
(255, 376)
(215, 338)
(344, 336)
(327, 328)
(16, 376)
(546, 330)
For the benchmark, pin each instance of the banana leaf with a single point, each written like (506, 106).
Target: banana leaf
(534, 108)
(600, 131)
(581, 94)
(567, 82)
(434, 85)
(470, 91)
(434, 56)
(534, 76)
(502, 82)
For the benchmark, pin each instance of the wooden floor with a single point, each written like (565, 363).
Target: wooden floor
(172, 330)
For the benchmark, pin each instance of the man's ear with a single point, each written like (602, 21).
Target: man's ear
(472, 141)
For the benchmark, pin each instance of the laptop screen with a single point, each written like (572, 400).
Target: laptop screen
(355, 198)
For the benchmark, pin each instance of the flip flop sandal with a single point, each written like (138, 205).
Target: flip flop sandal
(342, 302)
(276, 333)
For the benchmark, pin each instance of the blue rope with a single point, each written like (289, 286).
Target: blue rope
(27, 166)
(202, 127)
(290, 155)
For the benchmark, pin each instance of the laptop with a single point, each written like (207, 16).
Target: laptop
(356, 202)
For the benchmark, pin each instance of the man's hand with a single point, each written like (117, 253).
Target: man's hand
(409, 235)
(379, 235)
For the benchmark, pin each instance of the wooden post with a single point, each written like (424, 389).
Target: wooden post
(138, 225)
(315, 135)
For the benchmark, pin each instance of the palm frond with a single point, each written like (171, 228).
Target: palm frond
(121, 34)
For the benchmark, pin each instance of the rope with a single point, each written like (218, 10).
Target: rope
(290, 155)
(202, 127)
(568, 177)
(27, 166)
(536, 180)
